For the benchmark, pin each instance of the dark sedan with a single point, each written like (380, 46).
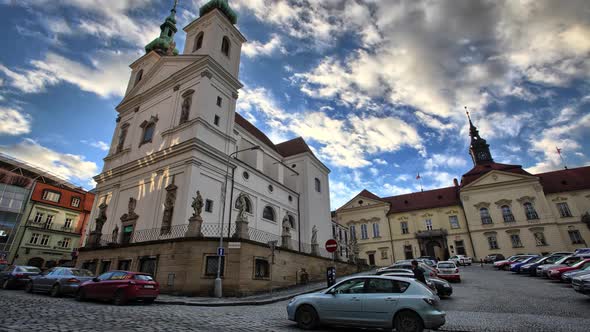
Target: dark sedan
(531, 268)
(16, 276)
(59, 281)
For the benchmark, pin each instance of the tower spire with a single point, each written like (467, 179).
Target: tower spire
(165, 44)
(479, 149)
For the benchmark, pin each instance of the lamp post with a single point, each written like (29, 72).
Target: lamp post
(218, 281)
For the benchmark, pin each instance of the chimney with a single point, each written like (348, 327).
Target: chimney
(456, 182)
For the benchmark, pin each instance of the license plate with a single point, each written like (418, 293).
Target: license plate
(149, 286)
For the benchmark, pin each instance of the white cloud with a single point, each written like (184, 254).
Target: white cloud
(380, 161)
(69, 166)
(97, 144)
(444, 161)
(106, 76)
(403, 177)
(14, 122)
(255, 48)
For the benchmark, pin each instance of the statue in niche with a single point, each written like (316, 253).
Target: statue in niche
(186, 107)
(242, 206)
(102, 217)
(115, 238)
(130, 215)
(286, 224)
(168, 208)
(197, 205)
(314, 235)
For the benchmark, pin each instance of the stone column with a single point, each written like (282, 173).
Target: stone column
(241, 229)
(286, 239)
(194, 227)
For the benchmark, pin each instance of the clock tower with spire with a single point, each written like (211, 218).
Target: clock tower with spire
(479, 149)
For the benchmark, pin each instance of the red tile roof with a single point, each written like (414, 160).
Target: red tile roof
(479, 170)
(254, 131)
(367, 194)
(565, 180)
(423, 200)
(293, 147)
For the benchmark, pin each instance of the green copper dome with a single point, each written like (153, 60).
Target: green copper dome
(223, 6)
(165, 45)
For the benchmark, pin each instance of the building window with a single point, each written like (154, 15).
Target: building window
(364, 232)
(148, 133)
(105, 266)
(428, 223)
(138, 77)
(408, 252)
(198, 42)
(493, 242)
(460, 247)
(318, 185)
(34, 238)
(530, 212)
(124, 265)
(122, 137)
(68, 223)
(39, 217)
(576, 237)
(405, 229)
(65, 243)
(44, 240)
(211, 266)
(127, 234)
(185, 110)
(268, 213)
(507, 213)
(540, 239)
(261, 269)
(564, 210)
(51, 196)
(216, 120)
(208, 205)
(484, 213)
(225, 46)
(245, 175)
(248, 204)
(148, 265)
(352, 230)
(270, 188)
(454, 221)
(76, 202)
(376, 230)
(383, 253)
(515, 239)
(49, 221)
(219, 101)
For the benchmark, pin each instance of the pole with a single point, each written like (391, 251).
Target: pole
(218, 282)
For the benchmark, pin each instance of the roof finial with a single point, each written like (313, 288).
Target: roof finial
(175, 5)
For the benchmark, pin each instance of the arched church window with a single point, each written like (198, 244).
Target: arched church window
(291, 221)
(484, 213)
(198, 42)
(149, 128)
(248, 204)
(138, 77)
(268, 213)
(225, 46)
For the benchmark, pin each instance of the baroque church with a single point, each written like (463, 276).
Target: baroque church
(183, 163)
(495, 209)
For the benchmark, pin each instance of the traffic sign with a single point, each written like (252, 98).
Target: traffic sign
(331, 245)
(221, 252)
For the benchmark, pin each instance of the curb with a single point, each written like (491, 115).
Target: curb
(237, 303)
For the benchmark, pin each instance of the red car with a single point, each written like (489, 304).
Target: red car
(448, 270)
(120, 287)
(556, 273)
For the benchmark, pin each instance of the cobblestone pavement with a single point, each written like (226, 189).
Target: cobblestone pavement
(487, 300)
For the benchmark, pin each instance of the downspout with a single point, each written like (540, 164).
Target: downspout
(231, 201)
(391, 238)
(299, 220)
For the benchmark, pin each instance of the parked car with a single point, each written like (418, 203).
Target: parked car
(16, 276)
(493, 258)
(120, 287)
(582, 284)
(542, 270)
(370, 301)
(392, 270)
(582, 251)
(531, 268)
(428, 271)
(3, 265)
(59, 281)
(555, 273)
(448, 270)
(439, 286)
(429, 262)
(505, 265)
(429, 258)
(461, 260)
(515, 267)
(567, 277)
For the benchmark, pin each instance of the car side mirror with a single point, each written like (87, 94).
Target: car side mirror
(95, 279)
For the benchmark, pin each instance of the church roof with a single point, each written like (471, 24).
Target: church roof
(223, 6)
(249, 127)
(565, 180)
(367, 194)
(293, 147)
(479, 170)
(423, 200)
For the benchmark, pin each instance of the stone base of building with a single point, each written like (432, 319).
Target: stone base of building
(188, 266)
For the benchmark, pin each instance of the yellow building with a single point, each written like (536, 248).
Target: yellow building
(497, 208)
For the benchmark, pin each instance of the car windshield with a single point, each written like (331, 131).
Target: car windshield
(30, 269)
(562, 260)
(513, 258)
(539, 260)
(580, 263)
(144, 277)
(446, 265)
(82, 273)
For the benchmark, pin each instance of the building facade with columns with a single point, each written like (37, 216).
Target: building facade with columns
(183, 163)
(497, 208)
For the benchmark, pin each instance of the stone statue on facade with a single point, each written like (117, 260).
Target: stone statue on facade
(186, 106)
(242, 218)
(195, 222)
(101, 219)
(130, 215)
(286, 235)
(315, 247)
(168, 208)
(115, 237)
(197, 205)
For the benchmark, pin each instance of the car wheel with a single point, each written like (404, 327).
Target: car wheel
(81, 295)
(29, 287)
(55, 291)
(307, 318)
(408, 321)
(119, 298)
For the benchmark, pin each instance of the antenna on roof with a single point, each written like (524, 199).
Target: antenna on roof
(561, 157)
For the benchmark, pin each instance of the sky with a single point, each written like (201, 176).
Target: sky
(377, 88)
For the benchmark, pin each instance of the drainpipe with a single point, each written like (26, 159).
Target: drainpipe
(391, 238)
(231, 201)
(299, 219)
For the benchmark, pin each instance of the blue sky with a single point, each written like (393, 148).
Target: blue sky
(377, 88)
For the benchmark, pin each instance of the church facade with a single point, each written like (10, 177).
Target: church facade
(496, 208)
(183, 163)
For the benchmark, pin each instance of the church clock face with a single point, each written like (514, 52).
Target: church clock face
(482, 156)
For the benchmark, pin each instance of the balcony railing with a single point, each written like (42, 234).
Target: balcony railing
(51, 227)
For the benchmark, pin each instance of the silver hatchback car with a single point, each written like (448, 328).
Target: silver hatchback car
(370, 301)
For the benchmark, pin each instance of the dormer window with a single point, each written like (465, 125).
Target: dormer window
(51, 196)
(198, 42)
(225, 46)
(149, 128)
(138, 77)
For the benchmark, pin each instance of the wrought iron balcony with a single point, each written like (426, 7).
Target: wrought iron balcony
(51, 227)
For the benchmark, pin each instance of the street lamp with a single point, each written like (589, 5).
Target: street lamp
(218, 281)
